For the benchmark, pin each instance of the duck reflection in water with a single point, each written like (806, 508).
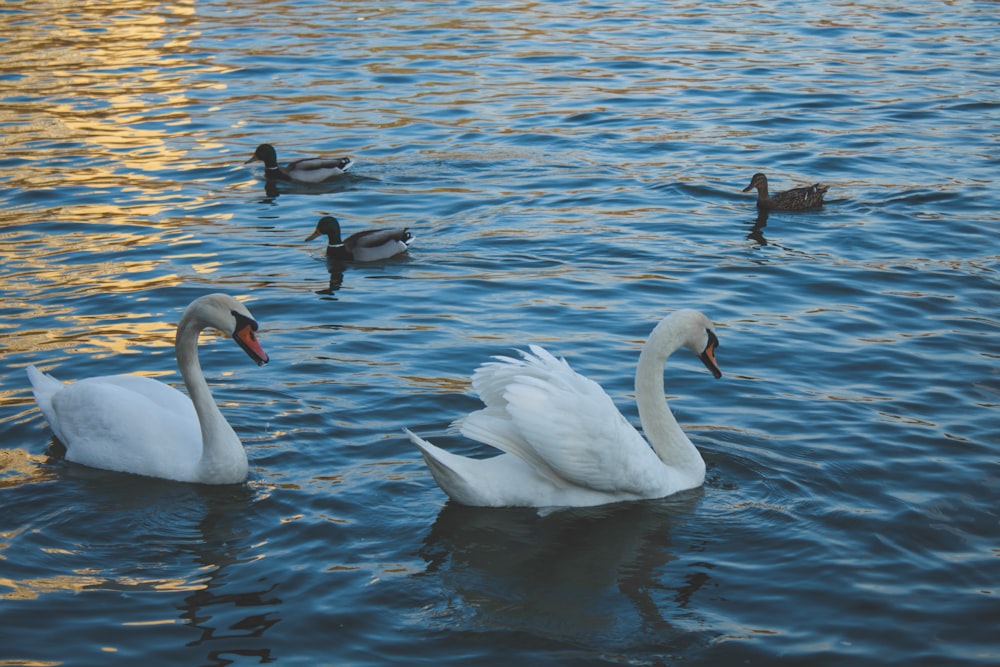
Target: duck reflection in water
(336, 268)
(274, 189)
(756, 233)
(576, 573)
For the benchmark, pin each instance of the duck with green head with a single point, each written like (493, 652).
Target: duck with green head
(308, 170)
(370, 245)
(796, 199)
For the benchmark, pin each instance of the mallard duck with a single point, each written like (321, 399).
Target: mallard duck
(139, 425)
(308, 170)
(796, 199)
(367, 246)
(565, 443)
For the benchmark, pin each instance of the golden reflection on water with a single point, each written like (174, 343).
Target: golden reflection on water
(91, 72)
(94, 94)
(19, 467)
(30, 589)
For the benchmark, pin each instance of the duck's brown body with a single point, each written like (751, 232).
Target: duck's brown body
(796, 199)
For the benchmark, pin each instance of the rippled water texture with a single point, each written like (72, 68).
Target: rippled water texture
(572, 172)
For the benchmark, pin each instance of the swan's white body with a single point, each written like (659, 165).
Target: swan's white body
(138, 425)
(565, 442)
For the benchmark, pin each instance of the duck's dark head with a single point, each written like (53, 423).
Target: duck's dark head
(327, 225)
(266, 154)
(758, 181)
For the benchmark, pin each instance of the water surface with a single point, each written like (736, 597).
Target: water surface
(572, 172)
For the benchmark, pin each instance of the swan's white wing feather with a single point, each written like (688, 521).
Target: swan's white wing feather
(494, 428)
(491, 379)
(574, 426)
(126, 423)
(493, 425)
(562, 424)
(163, 395)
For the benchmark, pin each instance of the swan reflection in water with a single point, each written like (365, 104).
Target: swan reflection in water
(199, 530)
(231, 618)
(181, 549)
(578, 574)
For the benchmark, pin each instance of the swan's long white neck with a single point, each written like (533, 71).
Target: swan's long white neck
(222, 453)
(669, 442)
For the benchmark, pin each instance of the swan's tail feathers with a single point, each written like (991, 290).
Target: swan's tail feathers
(449, 470)
(44, 387)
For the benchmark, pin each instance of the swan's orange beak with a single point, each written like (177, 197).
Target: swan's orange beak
(708, 356)
(246, 337)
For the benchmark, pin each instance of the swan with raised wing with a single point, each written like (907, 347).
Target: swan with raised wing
(564, 441)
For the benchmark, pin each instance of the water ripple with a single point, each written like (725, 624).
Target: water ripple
(571, 174)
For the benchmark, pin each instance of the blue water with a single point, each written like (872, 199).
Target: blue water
(572, 172)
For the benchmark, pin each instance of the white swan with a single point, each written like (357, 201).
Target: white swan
(139, 425)
(565, 442)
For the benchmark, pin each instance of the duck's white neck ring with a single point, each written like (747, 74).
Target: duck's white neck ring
(334, 245)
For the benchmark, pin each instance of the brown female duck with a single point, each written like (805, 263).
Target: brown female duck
(796, 199)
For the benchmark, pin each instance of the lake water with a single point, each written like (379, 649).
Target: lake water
(572, 172)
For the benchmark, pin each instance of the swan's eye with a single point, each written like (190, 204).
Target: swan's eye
(244, 321)
(713, 340)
